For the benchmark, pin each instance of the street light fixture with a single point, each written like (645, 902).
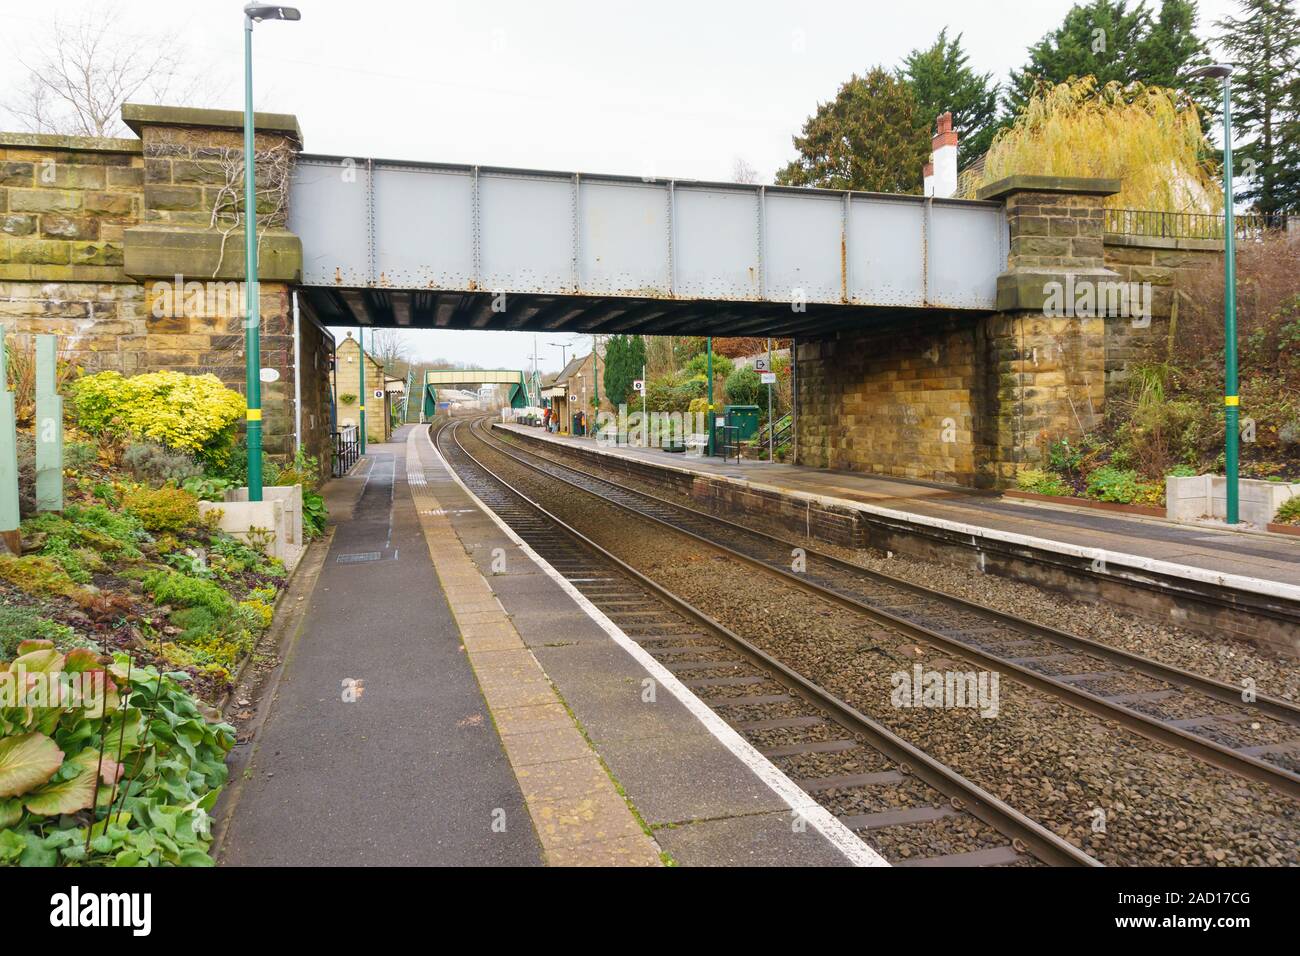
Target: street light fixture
(564, 352)
(254, 13)
(1231, 399)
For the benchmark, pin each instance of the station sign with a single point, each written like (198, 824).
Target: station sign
(762, 365)
(379, 393)
(638, 385)
(768, 378)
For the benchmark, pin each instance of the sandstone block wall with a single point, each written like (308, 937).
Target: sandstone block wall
(901, 401)
(73, 209)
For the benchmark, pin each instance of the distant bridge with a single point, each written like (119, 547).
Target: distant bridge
(517, 394)
(428, 245)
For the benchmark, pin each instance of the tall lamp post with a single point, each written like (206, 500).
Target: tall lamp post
(254, 13)
(1231, 399)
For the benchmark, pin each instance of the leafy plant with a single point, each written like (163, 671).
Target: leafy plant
(1289, 513)
(129, 786)
(314, 514)
(1042, 482)
(18, 624)
(207, 489)
(182, 590)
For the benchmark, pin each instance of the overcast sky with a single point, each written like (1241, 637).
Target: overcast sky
(676, 88)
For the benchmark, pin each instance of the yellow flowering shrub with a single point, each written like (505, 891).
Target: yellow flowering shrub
(190, 413)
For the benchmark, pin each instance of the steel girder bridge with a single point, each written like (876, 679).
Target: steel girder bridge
(426, 245)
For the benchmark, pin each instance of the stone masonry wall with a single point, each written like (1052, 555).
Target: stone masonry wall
(73, 208)
(899, 401)
(1166, 264)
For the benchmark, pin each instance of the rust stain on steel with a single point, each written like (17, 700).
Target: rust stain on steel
(338, 276)
(844, 267)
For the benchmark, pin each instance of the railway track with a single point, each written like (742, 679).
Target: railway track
(1197, 714)
(761, 697)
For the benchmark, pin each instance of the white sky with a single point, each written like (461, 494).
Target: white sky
(668, 88)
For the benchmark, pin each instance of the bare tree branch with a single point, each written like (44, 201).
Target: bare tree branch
(81, 73)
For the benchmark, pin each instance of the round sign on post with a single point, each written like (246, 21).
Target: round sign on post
(638, 385)
(269, 375)
(379, 393)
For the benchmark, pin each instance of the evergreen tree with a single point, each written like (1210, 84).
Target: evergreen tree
(1264, 46)
(624, 361)
(872, 136)
(1114, 41)
(942, 80)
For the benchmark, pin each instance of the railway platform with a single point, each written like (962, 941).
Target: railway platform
(1087, 553)
(495, 701)
(1267, 558)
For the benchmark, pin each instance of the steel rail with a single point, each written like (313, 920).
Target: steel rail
(964, 795)
(1205, 749)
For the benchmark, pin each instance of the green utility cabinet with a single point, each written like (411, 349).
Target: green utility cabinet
(737, 423)
(745, 419)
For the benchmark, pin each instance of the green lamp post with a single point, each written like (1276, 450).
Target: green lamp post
(254, 13)
(1231, 398)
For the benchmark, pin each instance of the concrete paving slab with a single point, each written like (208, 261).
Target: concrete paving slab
(685, 777)
(765, 839)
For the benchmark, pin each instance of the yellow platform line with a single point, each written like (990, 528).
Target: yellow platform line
(579, 816)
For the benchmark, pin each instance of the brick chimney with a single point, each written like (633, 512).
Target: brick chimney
(941, 171)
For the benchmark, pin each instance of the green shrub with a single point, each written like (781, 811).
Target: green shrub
(37, 574)
(79, 454)
(698, 365)
(1109, 483)
(1122, 485)
(1289, 513)
(187, 413)
(163, 509)
(743, 387)
(181, 590)
(1042, 482)
(73, 563)
(149, 461)
(18, 624)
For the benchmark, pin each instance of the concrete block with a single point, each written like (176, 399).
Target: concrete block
(261, 524)
(290, 496)
(1205, 497)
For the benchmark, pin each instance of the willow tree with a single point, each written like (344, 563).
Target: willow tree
(1148, 137)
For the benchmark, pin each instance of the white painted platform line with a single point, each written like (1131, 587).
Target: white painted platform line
(816, 816)
(1241, 582)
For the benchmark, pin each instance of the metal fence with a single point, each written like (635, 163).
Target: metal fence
(1189, 225)
(347, 449)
